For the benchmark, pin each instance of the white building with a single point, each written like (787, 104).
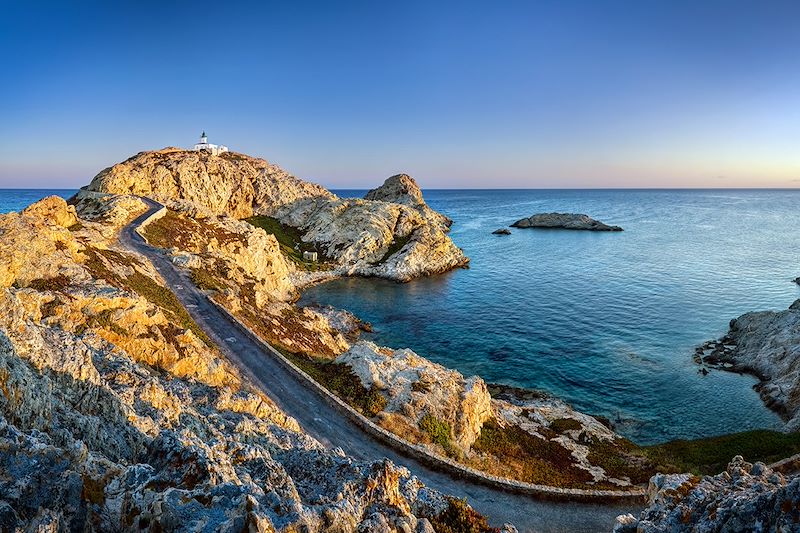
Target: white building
(213, 148)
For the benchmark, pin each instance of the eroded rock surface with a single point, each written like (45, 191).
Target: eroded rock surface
(766, 344)
(392, 233)
(573, 221)
(746, 497)
(116, 414)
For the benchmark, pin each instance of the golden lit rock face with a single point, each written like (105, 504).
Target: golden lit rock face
(229, 183)
(117, 414)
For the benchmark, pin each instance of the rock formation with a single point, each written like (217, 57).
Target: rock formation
(116, 413)
(502, 231)
(746, 497)
(392, 233)
(563, 221)
(766, 344)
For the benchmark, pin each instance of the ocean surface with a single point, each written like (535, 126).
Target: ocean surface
(606, 321)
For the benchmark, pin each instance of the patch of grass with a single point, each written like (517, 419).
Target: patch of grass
(439, 431)
(711, 455)
(519, 455)
(340, 379)
(206, 280)
(396, 246)
(561, 425)
(291, 242)
(97, 262)
(55, 284)
(175, 230)
(459, 517)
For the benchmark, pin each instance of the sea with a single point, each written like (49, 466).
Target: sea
(606, 321)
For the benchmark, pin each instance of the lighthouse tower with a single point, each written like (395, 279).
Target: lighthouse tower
(206, 146)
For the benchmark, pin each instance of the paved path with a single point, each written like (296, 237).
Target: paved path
(333, 429)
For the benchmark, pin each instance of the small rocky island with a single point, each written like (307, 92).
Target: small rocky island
(574, 221)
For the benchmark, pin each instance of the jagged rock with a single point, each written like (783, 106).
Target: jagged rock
(744, 498)
(564, 221)
(113, 417)
(766, 344)
(416, 387)
(393, 234)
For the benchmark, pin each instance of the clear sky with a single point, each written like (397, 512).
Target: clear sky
(560, 93)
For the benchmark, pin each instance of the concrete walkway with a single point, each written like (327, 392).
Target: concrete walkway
(333, 429)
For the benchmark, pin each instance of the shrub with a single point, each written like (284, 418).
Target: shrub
(459, 517)
(438, 430)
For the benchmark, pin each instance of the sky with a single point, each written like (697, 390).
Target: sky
(538, 94)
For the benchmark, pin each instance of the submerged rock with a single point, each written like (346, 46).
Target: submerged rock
(564, 221)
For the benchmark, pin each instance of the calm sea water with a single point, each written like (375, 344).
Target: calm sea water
(19, 199)
(607, 321)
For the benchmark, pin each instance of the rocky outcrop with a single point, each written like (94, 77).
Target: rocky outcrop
(391, 234)
(229, 183)
(502, 231)
(563, 221)
(418, 388)
(746, 497)
(766, 344)
(116, 414)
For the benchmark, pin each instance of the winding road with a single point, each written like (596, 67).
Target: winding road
(333, 429)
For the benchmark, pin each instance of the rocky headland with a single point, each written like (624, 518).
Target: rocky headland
(118, 413)
(767, 345)
(391, 233)
(571, 221)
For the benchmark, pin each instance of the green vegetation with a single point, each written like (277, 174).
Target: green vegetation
(711, 455)
(175, 230)
(97, 261)
(459, 517)
(290, 240)
(519, 455)
(396, 246)
(56, 283)
(565, 424)
(206, 280)
(340, 379)
(439, 431)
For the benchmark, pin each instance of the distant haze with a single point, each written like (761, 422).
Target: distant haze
(465, 95)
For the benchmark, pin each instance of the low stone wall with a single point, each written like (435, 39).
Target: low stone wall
(423, 455)
(152, 218)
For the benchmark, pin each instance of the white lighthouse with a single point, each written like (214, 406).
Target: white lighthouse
(205, 145)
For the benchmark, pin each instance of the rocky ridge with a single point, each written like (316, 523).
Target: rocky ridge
(746, 497)
(573, 221)
(117, 414)
(392, 233)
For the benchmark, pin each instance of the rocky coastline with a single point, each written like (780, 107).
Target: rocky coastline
(570, 221)
(765, 344)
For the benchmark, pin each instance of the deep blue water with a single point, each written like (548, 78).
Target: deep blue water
(19, 199)
(607, 321)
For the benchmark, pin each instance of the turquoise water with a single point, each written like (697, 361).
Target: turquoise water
(607, 321)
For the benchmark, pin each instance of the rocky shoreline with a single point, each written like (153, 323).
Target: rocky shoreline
(765, 344)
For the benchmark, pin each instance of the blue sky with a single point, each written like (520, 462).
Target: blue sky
(467, 94)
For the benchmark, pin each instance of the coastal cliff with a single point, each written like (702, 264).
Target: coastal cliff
(118, 413)
(391, 233)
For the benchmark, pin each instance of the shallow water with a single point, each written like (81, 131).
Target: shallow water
(607, 321)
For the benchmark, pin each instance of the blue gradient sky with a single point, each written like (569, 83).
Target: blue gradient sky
(495, 94)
